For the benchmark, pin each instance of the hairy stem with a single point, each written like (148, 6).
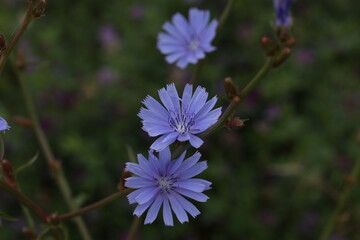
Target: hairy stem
(225, 14)
(27, 19)
(54, 165)
(24, 200)
(96, 205)
(134, 228)
(341, 203)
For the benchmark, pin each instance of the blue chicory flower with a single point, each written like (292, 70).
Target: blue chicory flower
(181, 118)
(3, 125)
(187, 41)
(163, 182)
(282, 11)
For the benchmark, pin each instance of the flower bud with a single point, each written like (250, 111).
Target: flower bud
(236, 122)
(285, 53)
(54, 219)
(230, 88)
(2, 43)
(23, 121)
(29, 234)
(125, 174)
(268, 45)
(39, 9)
(8, 171)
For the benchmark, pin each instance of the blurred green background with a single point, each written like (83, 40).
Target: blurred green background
(90, 63)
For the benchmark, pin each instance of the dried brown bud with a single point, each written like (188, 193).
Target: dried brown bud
(29, 234)
(125, 174)
(2, 43)
(230, 88)
(8, 171)
(26, 122)
(350, 179)
(39, 9)
(236, 122)
(54, 219)
(268, 45)
(285, 53)
(290, 42)
(236, 99)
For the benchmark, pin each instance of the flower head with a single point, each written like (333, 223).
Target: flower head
(187, 41)
(3, 125)
(282, 11)
(164, 182)
(181, 118)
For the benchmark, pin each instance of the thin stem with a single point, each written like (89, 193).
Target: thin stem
(260, 75)
(28, 18)
(224, 16)
(24, 200)
(268, 65)
(341, 203)
(54, 165)
(96, 205)
(134, 228)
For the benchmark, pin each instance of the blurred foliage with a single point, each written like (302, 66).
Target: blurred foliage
(279, 177)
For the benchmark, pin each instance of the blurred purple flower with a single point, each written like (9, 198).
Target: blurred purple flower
(187, 41)
(282, 12)
(3, 125)
(137, 12)
(308, 223)
(108, 37)
(181, 118)
(272, 112)
(106, 76)
(162, 182)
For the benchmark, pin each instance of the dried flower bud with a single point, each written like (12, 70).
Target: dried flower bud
(236, 122)
(29, 234)
(268, 45)
(350, 179)
(125, 174)
(2, 43)
(290, 42)
(23, 121)
(39, 9)
(54, 219)
(8, 171)
(230, 88)
(282, 57)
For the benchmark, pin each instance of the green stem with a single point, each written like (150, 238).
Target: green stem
(268, 65)
(24, 200)
(54, 165)
(28, 18)
(96, 205)
(260, 75)
(134, 228)
(341, 203)
(224, 16)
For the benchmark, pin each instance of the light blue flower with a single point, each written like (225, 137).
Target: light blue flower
(187, 41)
(181, 118)
(3, 125)
(164, 182)
(282, 11)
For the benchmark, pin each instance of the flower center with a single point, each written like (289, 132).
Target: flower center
(194, 45)
(165, 183)
(181, 122)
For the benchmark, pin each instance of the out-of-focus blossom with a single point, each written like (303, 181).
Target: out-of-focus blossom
(108, 37)
(181, 118)
(163, 182)
(106, 76)
(3, 125)
(187, 41)
(282, 11)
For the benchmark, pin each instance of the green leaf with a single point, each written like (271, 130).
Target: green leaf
(7, 217)
(28, 164)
